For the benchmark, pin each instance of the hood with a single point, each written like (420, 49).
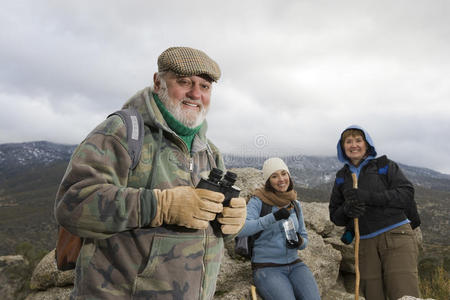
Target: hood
(340, 152)
(144, 103)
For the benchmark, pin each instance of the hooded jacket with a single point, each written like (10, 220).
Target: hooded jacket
(388, 201)
(270, 247)
(111, 206)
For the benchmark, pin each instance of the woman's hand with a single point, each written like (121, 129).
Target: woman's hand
(282, 213)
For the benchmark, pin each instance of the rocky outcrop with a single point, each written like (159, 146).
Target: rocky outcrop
(10, 283)
(330, 261)
(46, 274)
(412, 298)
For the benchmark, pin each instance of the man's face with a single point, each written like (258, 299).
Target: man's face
(186, 98)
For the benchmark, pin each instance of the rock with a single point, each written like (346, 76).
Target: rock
(419, 237)
(317, 217)
(412, 298)
(10, 260)
(47, 275)
(340, 295)
(323, 261)
(248, 180)
(10, 283)
(347, 252)
(340, 291)
(54, 293)
(235, 279)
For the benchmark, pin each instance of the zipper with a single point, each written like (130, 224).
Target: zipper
(186, 151)
(191, 164)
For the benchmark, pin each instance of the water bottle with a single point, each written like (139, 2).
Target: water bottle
(291, 234)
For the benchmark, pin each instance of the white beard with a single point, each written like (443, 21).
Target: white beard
(188, 118)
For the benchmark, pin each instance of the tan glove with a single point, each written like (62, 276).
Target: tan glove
(186, 206)
(233, 217)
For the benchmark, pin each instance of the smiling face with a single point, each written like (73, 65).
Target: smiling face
(355, 147)
(186, 98)
(279, 180)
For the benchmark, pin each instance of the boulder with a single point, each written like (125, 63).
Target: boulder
(323, 261)
(47, 275)
(248, 180)
(53, 293)
(412, 298)
(235, 279)
(317, 218)
(10, 283)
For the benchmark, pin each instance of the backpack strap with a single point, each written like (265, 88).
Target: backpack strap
(383, 167)
(340, 175)
(250, 240)
(296, 208)
(411, 209)
(210, 155)
(265, 210)
(135, 132)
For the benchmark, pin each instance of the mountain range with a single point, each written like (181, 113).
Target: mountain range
(30, 173)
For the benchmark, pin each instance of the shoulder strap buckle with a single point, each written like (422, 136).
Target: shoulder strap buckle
(135, 132)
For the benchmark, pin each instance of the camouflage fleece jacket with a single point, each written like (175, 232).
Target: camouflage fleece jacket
(111, 207)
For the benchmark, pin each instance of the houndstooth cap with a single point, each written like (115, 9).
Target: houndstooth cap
(185, 61)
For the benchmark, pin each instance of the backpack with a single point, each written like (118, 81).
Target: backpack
(244, 245)
(411, 210)
(68, 245)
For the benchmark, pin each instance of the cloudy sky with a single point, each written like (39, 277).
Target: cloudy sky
(295, 73)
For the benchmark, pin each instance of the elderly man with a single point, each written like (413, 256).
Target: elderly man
(147, 232)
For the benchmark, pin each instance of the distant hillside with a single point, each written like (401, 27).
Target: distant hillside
(308, 171)
(315, 171)
(26, 206)
(30, 174)
(16, 157)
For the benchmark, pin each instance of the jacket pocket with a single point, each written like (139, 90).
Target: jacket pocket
(174, 269)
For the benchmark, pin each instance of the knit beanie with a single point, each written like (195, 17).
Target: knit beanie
(272, 165)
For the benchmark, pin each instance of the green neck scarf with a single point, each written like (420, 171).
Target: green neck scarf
(185, 133)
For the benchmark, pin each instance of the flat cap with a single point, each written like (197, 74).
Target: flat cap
(185, 61)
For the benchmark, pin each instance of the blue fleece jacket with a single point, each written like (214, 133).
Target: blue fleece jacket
(271, 245)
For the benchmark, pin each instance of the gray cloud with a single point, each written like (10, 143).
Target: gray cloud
(295, 73)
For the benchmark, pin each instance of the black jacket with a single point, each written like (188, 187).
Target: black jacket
(391, 197)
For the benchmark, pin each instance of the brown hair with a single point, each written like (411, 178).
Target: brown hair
(268, 187)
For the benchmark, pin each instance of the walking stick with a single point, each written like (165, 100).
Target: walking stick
(253, 292)
(356, 223)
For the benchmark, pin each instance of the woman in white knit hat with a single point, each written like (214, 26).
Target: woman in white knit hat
(278, 272)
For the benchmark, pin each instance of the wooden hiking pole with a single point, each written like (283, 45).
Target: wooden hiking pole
(253, 292)
(356, 223)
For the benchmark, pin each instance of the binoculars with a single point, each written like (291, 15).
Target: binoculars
(224, 185)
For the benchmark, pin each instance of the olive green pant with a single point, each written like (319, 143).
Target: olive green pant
(388, 265)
